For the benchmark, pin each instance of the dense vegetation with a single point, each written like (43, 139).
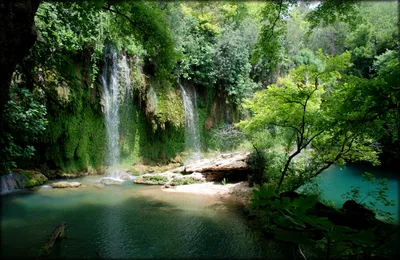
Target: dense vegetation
(303, 85)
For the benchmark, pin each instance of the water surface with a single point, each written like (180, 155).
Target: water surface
(337, 180)
(128, 221)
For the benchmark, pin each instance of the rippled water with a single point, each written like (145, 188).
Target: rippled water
(128, 221)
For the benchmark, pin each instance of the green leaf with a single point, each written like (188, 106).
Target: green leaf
(344, 229)
(293, 236)
(277, 203)
(286, 204)
(364, 237)
(297, 223)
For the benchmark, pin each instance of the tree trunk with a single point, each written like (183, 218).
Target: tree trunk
(57, 233)
(283, 173)
(332, 42)
(17, 36)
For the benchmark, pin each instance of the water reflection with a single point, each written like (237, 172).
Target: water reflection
(128, 221)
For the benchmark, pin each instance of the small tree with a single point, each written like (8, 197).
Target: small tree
(294, 109)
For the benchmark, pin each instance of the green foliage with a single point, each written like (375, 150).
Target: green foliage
(215, 47)
(224, 181)
(378, 34)
(257, 163)
(292, 220)
(268, 50)
(225, 137)
(25, 121)
(184, 181)
(295, 112)
(231, 61)
(157, 179)
(332, 10)
(146, 23)
(307, 57)
(194, 39)
(64, 30)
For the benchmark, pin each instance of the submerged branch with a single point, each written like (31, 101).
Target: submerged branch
(58, 233)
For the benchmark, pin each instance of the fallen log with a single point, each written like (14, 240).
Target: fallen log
(58, 233)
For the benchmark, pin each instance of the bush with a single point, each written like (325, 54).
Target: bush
(226, 137)
(184, 181)
(256, 163)
(157, 179)
(25, 122)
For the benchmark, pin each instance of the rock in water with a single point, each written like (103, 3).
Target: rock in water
(231, 166)
(108, 181)
(65, 184)
(20, 179)
(125, 176)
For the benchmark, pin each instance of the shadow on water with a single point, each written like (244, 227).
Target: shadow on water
(110, 224)
(338, 180)
(360, 168)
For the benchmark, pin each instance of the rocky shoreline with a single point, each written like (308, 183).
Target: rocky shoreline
(211, 176)
(222, 168)
(200, 177)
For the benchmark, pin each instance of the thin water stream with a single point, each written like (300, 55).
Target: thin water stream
(192, 134)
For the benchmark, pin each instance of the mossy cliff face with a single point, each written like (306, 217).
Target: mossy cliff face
(142, 136)
(151, 119)
(76, 135)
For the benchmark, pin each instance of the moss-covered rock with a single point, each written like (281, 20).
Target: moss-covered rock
(184, 181)
(30, 178)
(59, 174)
(152, 179)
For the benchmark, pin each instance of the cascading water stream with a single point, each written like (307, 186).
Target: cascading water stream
(125, 73)
(111, 106)
(192, 136)
(9, 183)
(113, 92)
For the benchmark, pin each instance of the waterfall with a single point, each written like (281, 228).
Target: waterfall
(11, 182)
(116, 86)
(8, 184)
(111, 105)
(192, 135)
(125, 74)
